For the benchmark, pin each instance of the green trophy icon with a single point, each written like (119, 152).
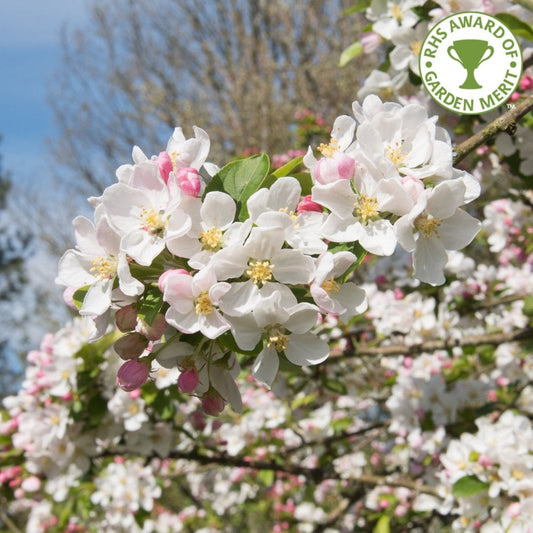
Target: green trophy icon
(470, 53)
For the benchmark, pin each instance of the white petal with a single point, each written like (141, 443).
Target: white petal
(218, 210)
(142, 246)
(245, 332)
(266, 366)
(303, 317)
(429, 259)
(240, 299)
(306, 349)
(458, 230)
(98, 298)
(353, 298)
(213, 324)
(291, 266)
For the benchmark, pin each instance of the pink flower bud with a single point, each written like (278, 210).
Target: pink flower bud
(188, 380)
(164, 162)
(526, 83)
(513, 511)
(132, 374)
(161, 283)
(330, 169)
(369, 41)
(131, 345)
(514, 97)
(31, 484)
(126, 318)
(47, 344)
(68, 293)
(188, 180)
(212, 404)
(306, 204)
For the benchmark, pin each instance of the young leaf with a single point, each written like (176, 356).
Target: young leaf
(468, 486)
(287, 167)
(382, 525)
(151, 305)
(350, 53)
(517, 26)
(79, 296)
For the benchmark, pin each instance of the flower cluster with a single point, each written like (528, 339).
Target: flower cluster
(200, 264)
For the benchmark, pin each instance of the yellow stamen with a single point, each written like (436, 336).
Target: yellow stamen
(395, 154)
(277, 339)
(428, 226)
(211, 239)
(104, 267)
(327, 150)
(153, 221)
(366, 207)
(203, 304)
(292, 214)
(396, 12)
(330, 285)
(173, 156)
(415, 47)
(260, 271)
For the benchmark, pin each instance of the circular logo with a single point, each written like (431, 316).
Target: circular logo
(470, 63)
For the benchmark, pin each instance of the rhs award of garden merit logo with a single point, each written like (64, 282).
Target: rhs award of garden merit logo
(470, 63)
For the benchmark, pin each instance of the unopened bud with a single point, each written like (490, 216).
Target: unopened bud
(306, 204)
(132, 374)
(164, 162)
(126, 318)
(155, 330)
(189, 181)
(213, 404)
(188, 380)
(131, 345)
(161, 283)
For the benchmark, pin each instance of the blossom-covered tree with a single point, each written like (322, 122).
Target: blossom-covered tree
(337, 344)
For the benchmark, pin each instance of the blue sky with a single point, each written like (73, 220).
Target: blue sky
(29, 53)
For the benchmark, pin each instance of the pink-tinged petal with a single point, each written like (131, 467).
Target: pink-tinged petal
(218, 210)
(429, 259)
(293, 267)
(179, 292)
(458, 231)
(306, 204)
(164, 163)
(189, 181)
(163, 278)
(266, 366)
(98, 298)
(306, 349)
(353, 299)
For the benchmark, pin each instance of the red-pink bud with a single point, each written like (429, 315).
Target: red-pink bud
(131, 345)
(189, 181)
(526, 83)
(132, 374)
(188, 380)
(126, 318)
(212, 404)
(306, 204)
(164, 162)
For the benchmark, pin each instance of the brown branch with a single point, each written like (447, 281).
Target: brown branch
(493, 339)
(316, 474)
(505, 123)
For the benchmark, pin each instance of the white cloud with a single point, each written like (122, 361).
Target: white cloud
(37, 22)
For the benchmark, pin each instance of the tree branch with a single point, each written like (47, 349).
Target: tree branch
(316, 474)
(493, 339)
(505, 123)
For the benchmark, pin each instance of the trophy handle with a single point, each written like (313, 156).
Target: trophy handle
(491, 52)
(451, 48)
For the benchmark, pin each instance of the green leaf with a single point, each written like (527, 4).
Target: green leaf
(240, 179)
(151, 305)
(287, 167)
(306, 183)
(335, 385)
(266, 476)
(350, 53)
(382, 525)
(528, 306)
(517, 26)
(468, 486)
(164, 406)
(359, 5)
(79, 296)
